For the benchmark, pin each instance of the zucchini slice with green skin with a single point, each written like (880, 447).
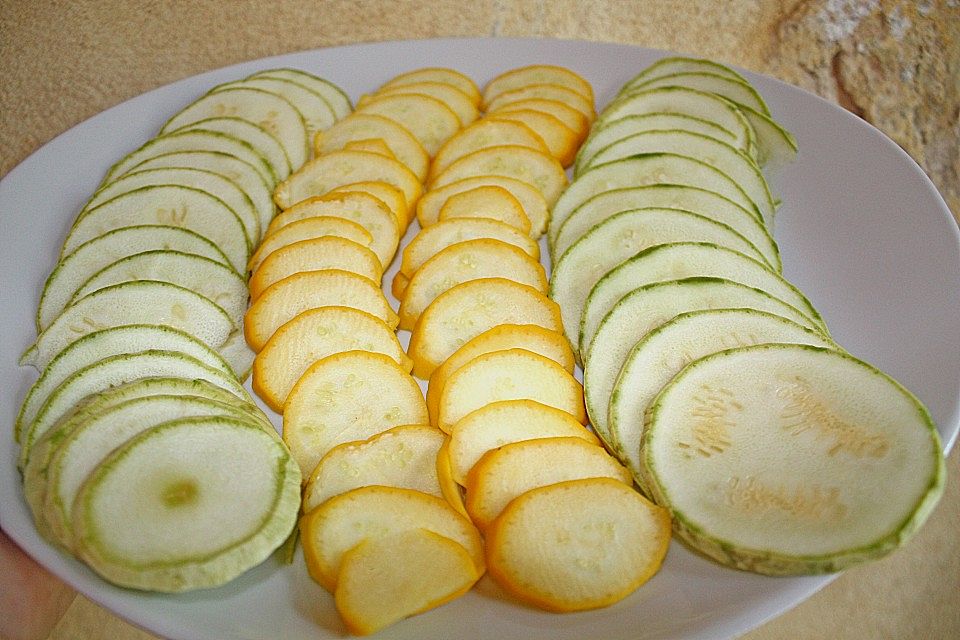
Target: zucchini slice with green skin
(731, 161)
(238, 354)
(317, 113)
(642, 170)
(645, 309)
(134, 302)
(115, 370)
(681, 64)
(240, 171)
(684, 260)
(738, 91)
(266, 109)
(706, 203)
(629, 125)
(253, 134)
(92, 256)
(209, 182)
(189, 504)
(776, 147)
(89, 442)
(791, 459)
(172, 205)
(684, 101)
(620, 237)
(199, 140)
(333, 94)
(214, 281)
(663, 352)
(103, 344)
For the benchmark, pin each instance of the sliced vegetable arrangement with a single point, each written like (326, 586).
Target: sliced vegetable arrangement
(252, 236)
(141, 451)
(711, 377)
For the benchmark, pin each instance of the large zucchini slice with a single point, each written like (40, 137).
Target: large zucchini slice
(663, 352)
(706, 203)
(681, 64)
(188, 504)
(333, 94)
(620, 237)
(252, 134)
(734, 163)
(92, 256)
(103, 344)
(647, 169)
(317, 113)
(789, 459)
(738, 91)
(685, 260)
(210, 182)
(269, 110)
(172, 205)
(646, 308)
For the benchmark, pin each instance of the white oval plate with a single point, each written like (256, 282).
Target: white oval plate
(863, 233)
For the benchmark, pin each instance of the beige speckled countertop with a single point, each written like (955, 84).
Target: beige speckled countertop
(894, 62)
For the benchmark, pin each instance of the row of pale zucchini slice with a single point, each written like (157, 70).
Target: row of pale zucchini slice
(141, 451)
(707, 373)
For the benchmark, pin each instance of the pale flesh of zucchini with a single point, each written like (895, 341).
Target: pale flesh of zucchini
(685, 260)
(789, 459)
(172, 205)
(134, 302)
(619, 238)
(186, 505)
(91, 441)
(333, 94)
(731, 161)
(737, 91)
(252, 134)
(648, 169)
(103, 344)
(317, 113)
(646, 308)
(663, 352)
(706, 203)
(681, 64)
(89, 258)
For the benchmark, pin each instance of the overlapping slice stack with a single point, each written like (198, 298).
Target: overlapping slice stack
(142, 453)
(707, 373)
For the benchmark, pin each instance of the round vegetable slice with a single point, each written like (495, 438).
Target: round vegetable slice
(663, 352)
(329, 531)
(536, 74)
(486, 202)
(481, 134)
(307, 229)
(187, 505)
(362, 126)
(791, 459)
(438, 74)
(455, 99)
(545, 91)
(345, 397)
(333, 94)
(254, 135)
(532, 201)
(429, 120)
(404, 456)
(606, 541)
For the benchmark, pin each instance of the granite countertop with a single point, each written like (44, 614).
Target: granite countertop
(896, 63)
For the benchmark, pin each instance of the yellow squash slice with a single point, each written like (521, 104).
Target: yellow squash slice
(366, 210)
(512, 374)
(329, 531)
(479, 135)
(530, 337)
(545, 92)
(405, 456)
(505, 473)
(438, 74)
(464, 261)
(308, 229)
(488, 201)
(313, 335)
(359, 126)
(337, 168)
(499, 423)
(536, 168)
(469, 309)
(373, 145)
(429, 120)
(346, 397)
(386, 193)
(576, 121)
(606, 541)
(283, 300)
(448, 485)
(315, 254)
(562, 141)
(533, 202)
(457, 101)
(537, 74)
(384, 580)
